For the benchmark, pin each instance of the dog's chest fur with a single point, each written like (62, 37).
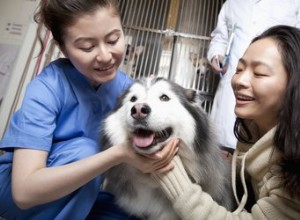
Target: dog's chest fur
(138, 194)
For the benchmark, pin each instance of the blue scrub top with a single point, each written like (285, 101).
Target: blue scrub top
(60, 105)
(61, 113)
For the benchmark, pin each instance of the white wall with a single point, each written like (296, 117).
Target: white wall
(16, 32)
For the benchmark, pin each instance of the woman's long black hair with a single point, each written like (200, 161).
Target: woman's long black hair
(287, 135)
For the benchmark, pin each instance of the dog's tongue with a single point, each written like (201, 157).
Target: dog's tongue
(143, 141)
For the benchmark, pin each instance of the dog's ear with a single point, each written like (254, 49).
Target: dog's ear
(191, 95)
(197, 97)
(120, 98)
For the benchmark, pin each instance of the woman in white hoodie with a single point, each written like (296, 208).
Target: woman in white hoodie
(267, 91)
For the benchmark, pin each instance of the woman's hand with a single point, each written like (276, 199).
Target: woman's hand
(216, 65)
(159, 162)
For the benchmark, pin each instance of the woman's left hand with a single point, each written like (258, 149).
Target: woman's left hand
(166, 154)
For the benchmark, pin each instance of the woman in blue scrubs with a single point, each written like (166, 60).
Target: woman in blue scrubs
(52, 162)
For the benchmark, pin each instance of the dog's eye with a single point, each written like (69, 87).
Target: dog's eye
(133, 99)
(164, 98)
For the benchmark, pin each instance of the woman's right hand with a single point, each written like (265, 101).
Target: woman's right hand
(216, 65)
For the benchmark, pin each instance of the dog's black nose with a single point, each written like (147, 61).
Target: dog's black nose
(140, 111)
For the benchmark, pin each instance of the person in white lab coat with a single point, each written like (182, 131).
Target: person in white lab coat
(247, 19)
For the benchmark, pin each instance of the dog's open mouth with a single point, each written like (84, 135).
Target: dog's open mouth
(143, 138)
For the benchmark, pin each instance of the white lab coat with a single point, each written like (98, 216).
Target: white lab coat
(251, 18)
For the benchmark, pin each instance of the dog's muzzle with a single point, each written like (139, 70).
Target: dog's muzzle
(142, 136)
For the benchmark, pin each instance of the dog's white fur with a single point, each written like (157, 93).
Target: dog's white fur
(136, 192)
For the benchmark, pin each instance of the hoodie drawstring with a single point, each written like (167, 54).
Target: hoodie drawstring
(243, 201)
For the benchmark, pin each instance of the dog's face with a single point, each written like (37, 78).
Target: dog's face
(150, 113)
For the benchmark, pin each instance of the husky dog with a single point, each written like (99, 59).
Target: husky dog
(148, 114)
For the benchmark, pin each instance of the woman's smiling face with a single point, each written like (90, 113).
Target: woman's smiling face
(259, 84)
(95, 45)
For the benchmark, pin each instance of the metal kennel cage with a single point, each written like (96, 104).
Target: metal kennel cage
(170, 38)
